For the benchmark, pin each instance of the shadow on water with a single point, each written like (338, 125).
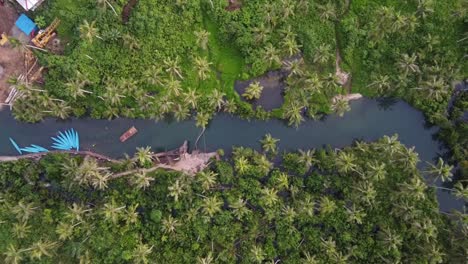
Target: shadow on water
(367, 121)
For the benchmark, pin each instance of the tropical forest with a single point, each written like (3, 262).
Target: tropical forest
(280, 131)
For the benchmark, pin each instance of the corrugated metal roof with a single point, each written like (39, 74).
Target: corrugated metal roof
(29, 4)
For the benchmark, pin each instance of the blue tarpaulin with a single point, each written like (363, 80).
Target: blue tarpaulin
(25, 24)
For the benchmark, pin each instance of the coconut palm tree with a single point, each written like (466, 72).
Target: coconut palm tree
(390, 239)
(230, 106)
(61, 110)
(111, 112)
(77, 213)
(345, 162)
(141, 253)
(377, 171)
(269, 196)
(261, 34)
(217, 99)
(270, 55)
(290, 45)
(174, 87)
(23, 211)
(366, 192)
(112, 212)
(415, 188)
(207, 179)
(253, 91)
(355, 215)
(88, 31)
(191, 98)
(203, 67)
(307, 157)
(294, 67)
(327, 205)
(327, 11)
(435, 88)
(241, 164)
(141, 180)
(407, 64)
(312, 83)
(323, 54)
(143, 156)
(112, 95)
(21, 230)
(170, 224)
(206, 260)
(153, 75)
(130, 42)
(263, 163)
(42, 248)
(239, 208)
(269, 143)
(13, 255)
(340, 106)
(181, 112)
(202, 119)
(65, 230)
(131, 215)
(211, 205)
(440, 170)
(309, 259)
(176, 190)
(165, 105)
(75, 86)
(425, 8)
(257, 254)
(293, 112)
(172, 67)
(382, 83)
(409, 157)
(288, 8)
(202, 37)
(460, 191)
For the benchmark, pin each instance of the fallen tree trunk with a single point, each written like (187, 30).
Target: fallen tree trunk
(42, 154)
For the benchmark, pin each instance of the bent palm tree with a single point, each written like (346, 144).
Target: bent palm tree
(144, 156)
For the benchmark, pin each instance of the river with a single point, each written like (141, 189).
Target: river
(368, 120)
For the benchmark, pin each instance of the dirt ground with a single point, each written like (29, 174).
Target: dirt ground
(8, 16)
(11, 59)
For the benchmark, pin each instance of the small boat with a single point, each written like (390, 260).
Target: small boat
(130, 133)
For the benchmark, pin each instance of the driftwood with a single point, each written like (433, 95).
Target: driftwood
(184, 162)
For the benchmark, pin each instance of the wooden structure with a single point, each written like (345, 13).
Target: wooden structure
(128, 134)
(44, 36)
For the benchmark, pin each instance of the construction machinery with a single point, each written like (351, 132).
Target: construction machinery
(3, 39)
(44, 36)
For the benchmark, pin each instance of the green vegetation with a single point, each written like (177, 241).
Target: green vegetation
(363, 204)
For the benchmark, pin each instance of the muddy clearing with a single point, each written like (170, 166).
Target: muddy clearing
(11, 59)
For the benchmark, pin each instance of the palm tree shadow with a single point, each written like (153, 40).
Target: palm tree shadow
(386, 103)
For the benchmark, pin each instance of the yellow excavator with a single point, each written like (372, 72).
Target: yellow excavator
(43, 37)
(3, 39)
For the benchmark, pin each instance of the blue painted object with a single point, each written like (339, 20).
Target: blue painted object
(66, 140)
(16, 146)
(25, 24)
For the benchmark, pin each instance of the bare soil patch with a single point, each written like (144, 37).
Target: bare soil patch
(12, 61)
(8, 16)
(233, 5)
